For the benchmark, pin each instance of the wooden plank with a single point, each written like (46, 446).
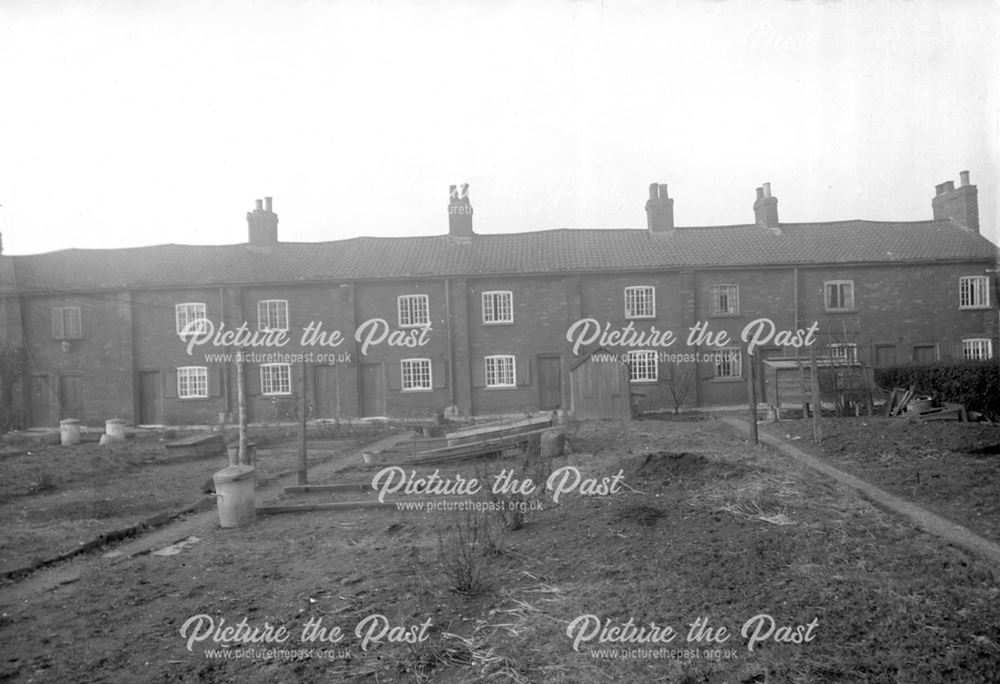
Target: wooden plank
(329, 488)
(498, 428)
(348, 505)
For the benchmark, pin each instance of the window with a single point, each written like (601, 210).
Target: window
(500, 371)
(640, 302)
(839, 295)
(498, 307)
(272, 314)
(725, 300)
(977, 349)
(974, 292)
(186, 314)
(844, 352)
(416, 374)
(66, 323)
(275, 378)
(728, 363)
(192, 382)
(924, 353)
(642, 366)
(413, 311)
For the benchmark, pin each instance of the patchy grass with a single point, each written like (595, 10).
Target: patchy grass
(952, 469)
(692, 539)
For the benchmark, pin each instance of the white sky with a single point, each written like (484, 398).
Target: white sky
(130, 123)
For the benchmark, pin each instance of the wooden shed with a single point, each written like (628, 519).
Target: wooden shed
(599, 387)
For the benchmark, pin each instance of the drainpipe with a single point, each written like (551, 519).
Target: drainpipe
(451, 345)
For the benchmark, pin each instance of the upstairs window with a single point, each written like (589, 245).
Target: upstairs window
(977, 349)
(839, 295)
(498, 307)
(725, 300)
(272, 314)
(190, 313)
(974, 292)
(192, 382)
(66, 323)
(642, 366)
(414, 310)
(640, 302)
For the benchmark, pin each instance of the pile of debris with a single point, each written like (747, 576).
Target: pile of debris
(919, 408)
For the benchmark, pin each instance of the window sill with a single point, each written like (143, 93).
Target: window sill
(276, 395)
(727, 380)
(500, 387)
(640, 318)
(193, 398)
(841, 311)
(498, 322)
(981, 307)
(725, 315)
(416, 390)
(644, 382)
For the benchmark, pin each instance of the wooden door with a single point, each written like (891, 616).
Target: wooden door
(549, 382)
(326, 392)
(761, 370)
(150, 398)
(40, 401)
(372, 387)
(70, 397)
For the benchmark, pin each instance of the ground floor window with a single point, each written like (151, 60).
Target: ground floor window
(729, 364)
(500, 371)
(977, 349)
(416, 374)
(275, 378)
(642, 366)
(192, 382)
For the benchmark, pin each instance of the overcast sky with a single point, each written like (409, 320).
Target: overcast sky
(131, 123)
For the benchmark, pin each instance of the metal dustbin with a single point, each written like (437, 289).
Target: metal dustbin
(69, 431)
(234, 492)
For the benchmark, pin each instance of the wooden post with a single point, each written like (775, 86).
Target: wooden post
(802, 386)
(817, 405)
(752, 380)
(241, 401)
(303, 475)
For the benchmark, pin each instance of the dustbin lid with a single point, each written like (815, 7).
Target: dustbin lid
(233, 473)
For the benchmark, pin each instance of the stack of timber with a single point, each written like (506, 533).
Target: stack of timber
(920, 408)
(496, 439)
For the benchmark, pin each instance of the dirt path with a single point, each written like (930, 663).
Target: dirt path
(190, 525)
(921, 517)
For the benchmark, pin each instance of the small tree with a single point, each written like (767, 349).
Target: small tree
(680, 379)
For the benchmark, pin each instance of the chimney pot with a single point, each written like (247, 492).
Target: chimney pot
(767, 189)
(964, 175)
(760, 193)
(260, 205)
(267, 203)
(654, 191)
(663, 191)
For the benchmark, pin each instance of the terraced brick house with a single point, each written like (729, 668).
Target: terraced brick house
(487, 324)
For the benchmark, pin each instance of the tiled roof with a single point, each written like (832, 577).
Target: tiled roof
(550, 251)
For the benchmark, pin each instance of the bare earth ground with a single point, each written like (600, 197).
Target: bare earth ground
(952, 469)
(707, 527)
(53, 498)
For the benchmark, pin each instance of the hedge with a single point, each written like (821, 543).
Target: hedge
(976, 384)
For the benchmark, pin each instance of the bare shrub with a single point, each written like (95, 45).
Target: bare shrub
(464, 555)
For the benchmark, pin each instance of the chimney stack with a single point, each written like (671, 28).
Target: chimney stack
(262, 224)
(765, 208)
(959, 204)
(659, 210)
(459, 211)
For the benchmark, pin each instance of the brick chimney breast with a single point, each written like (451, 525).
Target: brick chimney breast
(765, 208)
(262, 224)
(659, 210)
(459, 211)
(959, 204)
